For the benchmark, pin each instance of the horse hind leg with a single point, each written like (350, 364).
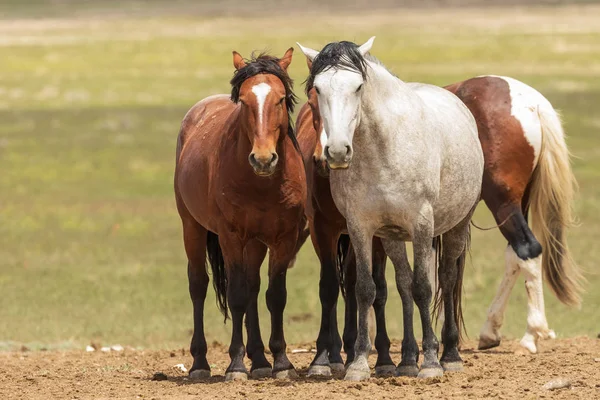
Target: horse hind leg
(325, 241)
(454, 246)
(254, 254)
(408, 366)
(384, 366)
(523, 254)
(194, 237)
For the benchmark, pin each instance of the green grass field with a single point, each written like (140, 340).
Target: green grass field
(90, 107)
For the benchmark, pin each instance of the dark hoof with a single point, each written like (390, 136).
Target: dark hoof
(337, 367)
(430, 373)
(261, 373)
(407, 370)
(285, 374)
(452, 366)
(236, 376)
(319, 370)
(488, 343)
(385, 371)
(199, 374)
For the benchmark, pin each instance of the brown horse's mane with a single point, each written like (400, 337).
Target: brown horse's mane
(266, 64)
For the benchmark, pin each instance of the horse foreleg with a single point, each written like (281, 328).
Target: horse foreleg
(362, 241)
(421, 289)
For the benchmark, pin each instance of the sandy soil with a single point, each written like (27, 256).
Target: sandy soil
(501, 373)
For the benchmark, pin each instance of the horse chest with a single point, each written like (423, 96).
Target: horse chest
(262, 213)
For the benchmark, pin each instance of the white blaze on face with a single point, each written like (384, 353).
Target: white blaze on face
(261, 91)
(323, 139)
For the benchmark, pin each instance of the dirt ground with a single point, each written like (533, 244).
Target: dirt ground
(502, 373)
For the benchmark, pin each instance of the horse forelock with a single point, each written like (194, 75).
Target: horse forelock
(269, 65)
(338, 55)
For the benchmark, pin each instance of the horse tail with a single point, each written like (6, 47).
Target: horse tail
(438, 302)
(552, 189)
(217, 264)
(343, 245)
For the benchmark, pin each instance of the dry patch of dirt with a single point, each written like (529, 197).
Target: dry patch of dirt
(502, 372)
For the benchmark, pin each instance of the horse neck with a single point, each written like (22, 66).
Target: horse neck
(384, 95)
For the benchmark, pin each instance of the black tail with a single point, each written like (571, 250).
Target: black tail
(217, 264)
(457, 295)
(342, 251)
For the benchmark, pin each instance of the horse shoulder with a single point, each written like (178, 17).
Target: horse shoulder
(293, 187)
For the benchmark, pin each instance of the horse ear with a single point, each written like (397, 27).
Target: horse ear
(364, 49)
(309, 63)
(238, 61)
(309, 53)
(286, 60)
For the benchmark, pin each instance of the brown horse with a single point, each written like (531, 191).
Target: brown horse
(331, 245)
(240, 188)
(527, 171)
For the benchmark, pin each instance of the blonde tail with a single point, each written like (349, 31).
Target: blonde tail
(552, 188)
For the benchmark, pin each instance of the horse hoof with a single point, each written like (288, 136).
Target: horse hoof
(487, 343)
(430, 373)
(357, 375)
(337, 367)
(385, 371)
(551, 334)
(452, 366)
(261, 373)
(528, 343)
(407, 370)
(285, 374)
(236, 376)
(198, 374)
(319, 370)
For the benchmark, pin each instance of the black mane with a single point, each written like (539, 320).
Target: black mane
(340, 55)
(265, 64)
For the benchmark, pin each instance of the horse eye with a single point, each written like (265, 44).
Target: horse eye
(317, 90)
(281, 100)
(360, 87)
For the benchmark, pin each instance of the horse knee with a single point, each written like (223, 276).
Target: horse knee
(365, 291)
(421, 292)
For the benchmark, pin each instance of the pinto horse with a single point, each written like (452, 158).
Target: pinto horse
(327, 225)
(240, 188)
(526, 172)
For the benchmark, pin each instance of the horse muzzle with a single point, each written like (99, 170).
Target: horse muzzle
(263, 164)
(338, 157)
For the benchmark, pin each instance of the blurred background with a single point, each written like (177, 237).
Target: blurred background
(91, 97)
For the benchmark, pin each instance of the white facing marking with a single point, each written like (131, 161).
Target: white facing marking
(323, 139)
(261, 91)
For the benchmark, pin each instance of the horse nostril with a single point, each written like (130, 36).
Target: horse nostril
(274, 158)
(348, 150)
(326, 152)
(252, 159)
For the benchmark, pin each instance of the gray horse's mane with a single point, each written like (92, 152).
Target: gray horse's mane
(340, 55)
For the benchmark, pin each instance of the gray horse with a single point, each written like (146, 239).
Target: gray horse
(406, 165)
